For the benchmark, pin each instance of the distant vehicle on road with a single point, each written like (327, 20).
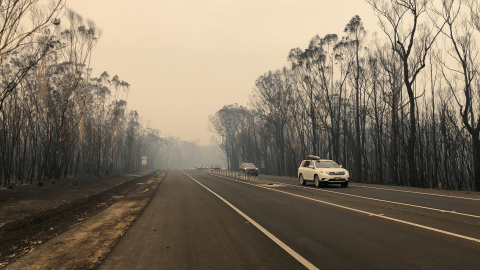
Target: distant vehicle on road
(215, 168)
(249, 168)
(322, 172)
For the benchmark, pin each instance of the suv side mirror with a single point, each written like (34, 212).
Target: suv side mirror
(310, 166)
(341, 166)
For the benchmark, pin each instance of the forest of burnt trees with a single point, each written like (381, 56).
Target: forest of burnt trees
(56, 119)
(399, 107)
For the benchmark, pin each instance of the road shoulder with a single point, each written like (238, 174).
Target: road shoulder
(86, 244)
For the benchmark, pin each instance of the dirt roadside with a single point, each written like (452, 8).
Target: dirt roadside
(70, 226)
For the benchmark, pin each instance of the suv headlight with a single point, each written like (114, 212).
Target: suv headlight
(323, 172)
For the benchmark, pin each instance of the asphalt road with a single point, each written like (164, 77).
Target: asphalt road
(199, 220)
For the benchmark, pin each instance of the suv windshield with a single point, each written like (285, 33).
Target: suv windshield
(326, 164)
(249, 165)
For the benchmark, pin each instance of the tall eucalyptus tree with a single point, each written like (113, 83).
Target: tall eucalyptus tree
(461, 34)
(26, 25)
(411, 38)
(229, 122)
(353, 43)
(78, 41)
(272, 95)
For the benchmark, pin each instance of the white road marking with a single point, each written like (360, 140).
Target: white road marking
(393, 202)
(367, 213)
(290, 251)
(399, 203)
(422, 193)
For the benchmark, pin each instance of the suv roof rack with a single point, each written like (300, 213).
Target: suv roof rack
(312, 157)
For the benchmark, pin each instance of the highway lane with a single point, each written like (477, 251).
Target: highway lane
(452, 211)
(454, 201)
(455, 211)
(353, 239)
(187, 226)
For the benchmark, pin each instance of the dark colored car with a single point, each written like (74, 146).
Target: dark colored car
(215, 168)
(249, 168)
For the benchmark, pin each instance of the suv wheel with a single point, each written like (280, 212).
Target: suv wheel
(301, 180)
(317, 181)
(344, 184)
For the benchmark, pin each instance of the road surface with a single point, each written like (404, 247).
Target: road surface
(200, 220)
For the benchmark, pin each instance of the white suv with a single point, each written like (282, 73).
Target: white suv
(322, 172)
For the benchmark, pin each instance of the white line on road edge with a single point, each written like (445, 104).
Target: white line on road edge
(399, 203)
(368, 213)
(422, 193)
(290, 251)
(392, 202)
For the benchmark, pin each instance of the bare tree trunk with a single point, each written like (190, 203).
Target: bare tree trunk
(412, 139)
(476, 159)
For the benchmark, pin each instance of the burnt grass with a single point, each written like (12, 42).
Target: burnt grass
(23, 235)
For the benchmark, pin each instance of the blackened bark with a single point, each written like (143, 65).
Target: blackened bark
(411, 142)
(476, 159)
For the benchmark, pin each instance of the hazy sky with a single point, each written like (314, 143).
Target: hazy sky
(186, 59)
